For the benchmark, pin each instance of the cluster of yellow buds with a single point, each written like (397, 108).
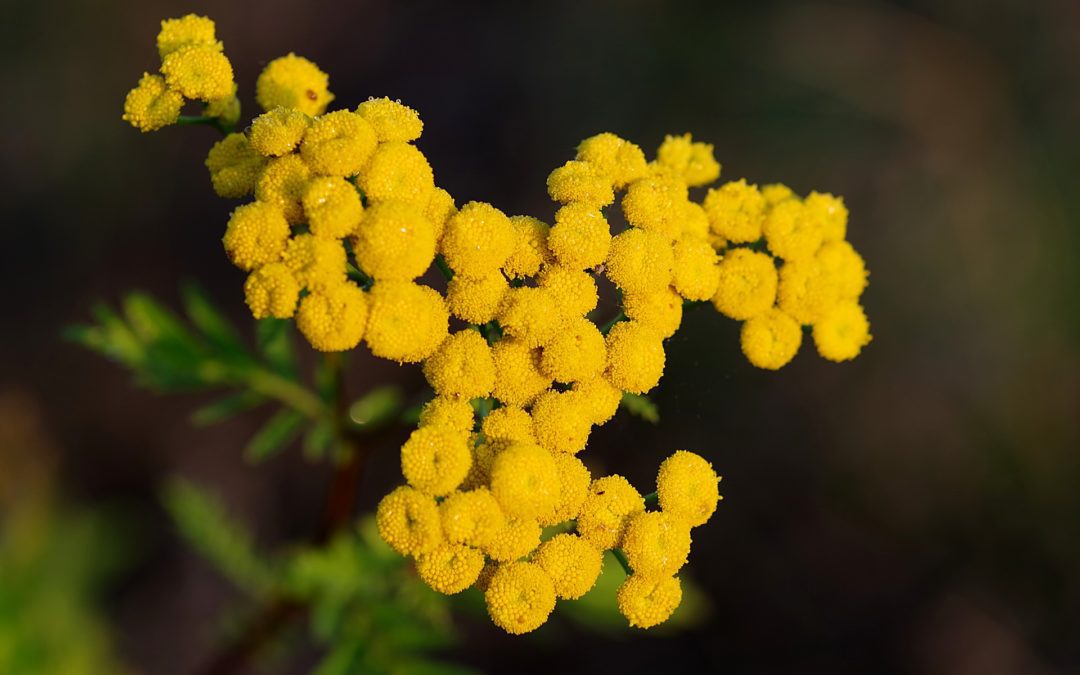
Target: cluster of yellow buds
(346, 217)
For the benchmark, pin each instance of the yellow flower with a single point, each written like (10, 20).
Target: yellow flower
(256, 235)
(226, 109)
(574, 291)
(604, 513)
(152, 105)
(694, 274)
(582, 183)
(770, 340)
(530, 247)
(518, 378)
(392, 120)
(398, 171)
(776, 193)
(806, 291)
(656, 543)
(736, 211)
(408, 521)
(185, 31)
(476, 301)
(334, 318)
(574, 481)
(440, 206)
(660, 310)
(478, 240)
(272, 291)
(620, 160)
(792, 230)
(451, 568)
(332, 207)
(842, 333)
(843, 267)
(318, 264)
(647, 602)
(525, 480)
(530, 315)
(293, 82)
(695, 222)
(656, 203)
(635, 357)
(394, 241)
(435, 460)
(561, 422)
(520, 597)
(509, 423)
(577, 352)
(338, 143)
(462, 366)
(640, 261)
(747, 286)
(407, 321)
(573, 564)
(472, 517)
(580, 237)
(831, 212)
(688, 488)
(278, 131)
(600, 398)
(483, 456)
(199, 72)
(234, 166)
(451, 413)
(693, 161)
(519, 538)
(282, 184)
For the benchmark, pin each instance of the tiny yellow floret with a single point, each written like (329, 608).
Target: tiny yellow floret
(338, 143)
(256, 235)
(635, 357)
(282, 184)
(462, 366)
(770, 340)
(319, 264)
(656, 543)
(647, 601)
(509, 423)
(622, 161)
(407, 321)
(332, 207)
(573, 564)
(736, 211)
(234, 166)
(520, 597)
(574, 291)
(520, 537)
(694, 273)
(333, 320)
(842, 332)
(272, 291)
(574, 481)
(518, 377)
(293, 82)
(687, 487)
(577, 352)
(278, 131)
(409, 522)
(398, 171)
(656, 203)
(478, 240)
(793, 231)
(580, 237)
(392, 120)
(187, 30)
(640, 261)
(394, 241)
(530, 247)
(582, 183)
(473, 517)
(476, 300)
(607, 508)
(452, 413)
(693, 161)
(660, 310)
(525, 480)
(747, 284)
(152, 105)
(199, 72)
(530, 315)
(831, 212)
(435, 460)
(561, 421)
(450, 568)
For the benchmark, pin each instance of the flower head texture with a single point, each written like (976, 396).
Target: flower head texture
(649, 601)
(450, 568)
(278, 132)
(152, 104)
(747, 283)
(462, 366)
(656, 543)
(687, 487)
(397, 171)
(607, 509)
(530, 247)
(572, 563)
(842, 332)
(435, 460)
(391, 120)
(199, 72)
(234, 166)
(185, 31)
(452, 413)
(476, 300)
(520, 597)
(619, 159)
(736, 211)
(693, 161)
(407, 322)
(394, 241)
(332, 207)
(525, 480)
(770, 340)
(256, 235)
(580, 183)
(635, 357)
(293, 82)
(333, 320)
(473, 517)
(478, 240)
(339, 143)
(409, 521)
(272, 291)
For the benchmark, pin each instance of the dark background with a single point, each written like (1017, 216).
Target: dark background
(914, 511)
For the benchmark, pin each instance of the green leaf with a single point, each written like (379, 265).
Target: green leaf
(377, 407)
(641, 406)
(317, 440)
(153, 322)
(211, 322)
(223, 409)
(278, 432)
(274, 340)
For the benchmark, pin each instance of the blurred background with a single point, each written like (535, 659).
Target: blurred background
(914, 511)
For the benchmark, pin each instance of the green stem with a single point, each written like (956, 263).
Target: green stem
(287, 391)
(443, 267)
(651, 499)
(614, 320)
(194, 120)
(621, 557)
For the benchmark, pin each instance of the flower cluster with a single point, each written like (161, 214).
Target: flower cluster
(346, 217)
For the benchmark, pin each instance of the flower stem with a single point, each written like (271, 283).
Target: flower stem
(614, 320)
(443, 267)
(621, 557)
(287, 391)
(651, 499)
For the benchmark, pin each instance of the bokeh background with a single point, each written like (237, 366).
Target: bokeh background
(915, 511)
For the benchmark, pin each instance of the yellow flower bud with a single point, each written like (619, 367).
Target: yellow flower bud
(293, 82)
(580, 182)
(530, 247)
(452, 413)
(333, 319)
(394, 241)
(256, 235)
(606, 509)
(520, 537)
(520, 597)
(407, 321)
(234, 166)
(747, 284)
(473, 517)
(580, 237)
(332, 207)
(561, 421)
(435, 460)
(635, 357)
(573, 564)
(476, 301)
(187, 30)
(462, 366)
(693, 161)
(640, 261)
(656, 543)
(694, 274)
(338, 143)
(660, 310)
(736, 211)
(842, 332)
(770, 340)
(282, 184)
(525, 480)
(409, 522)
(152, 105)
(272, 291)
(450, 568)
(518, 377)
(198, 71)
(398, 171)
(478, 240)
(656, 203)
(278, 132)
(318, 264)
(577, 352)
(793, 231)
(647, 601)
(687, 487)
(619, 159)
(509, 423)
(392, 120)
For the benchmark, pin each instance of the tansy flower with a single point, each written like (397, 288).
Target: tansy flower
(695, 222)
(830, 212)
(736, 211)
(573, 564)
(398, 171)
(577, 352)
(483, 452)
(333, 319)
(256, 235)
(560, 422)
(234, 166)
(530, 247)
(574, 291)
(478, 240)
(580, 182)
(450, 568)
(518, 378)
(435, 460)
(476, 301)
(776, 193)
(409, 522)
(509, 423)
(293, 82)
(332, 207)
(282, 184)
(694, 274)
(407, 321)
(272, 291)
(687, 487)
(187, 30)
(656, 543)
(842, 332)
(574, 481)
(635, 357)
(843, 267)
(318, 264)
(806, 292)
(278, 131)
(660, 310)
(747, 284)
(226, 109)
(199, 72)
(462, 366)
(525, 480)
(580, 237)
(520, 597)
(640, 261)
(620, 160)
(338, 143)
(693, 161)
(646, 601)
(520, 537)
(394, 241)
(606, 509)
(391, 120)
(452, 413)
(770, 340)
(792, 230)
(530, 315)
(656, 203)
(152, 104)
(600, 398)
(473, 517)
(440, 206)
